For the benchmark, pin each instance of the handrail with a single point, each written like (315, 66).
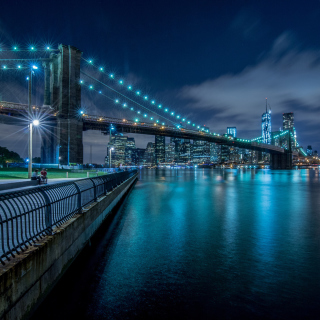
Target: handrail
(30, 214)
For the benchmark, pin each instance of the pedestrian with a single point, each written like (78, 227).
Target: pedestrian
(35, 175)
(44, 177)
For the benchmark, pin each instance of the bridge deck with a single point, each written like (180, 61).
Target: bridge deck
(103, 124)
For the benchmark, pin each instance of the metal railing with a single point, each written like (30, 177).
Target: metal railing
(28, 215)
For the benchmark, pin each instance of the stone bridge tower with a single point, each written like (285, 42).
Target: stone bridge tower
(62, 142)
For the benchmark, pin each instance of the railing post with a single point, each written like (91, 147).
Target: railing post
(48, 215)
(94, 191)
(79, 197)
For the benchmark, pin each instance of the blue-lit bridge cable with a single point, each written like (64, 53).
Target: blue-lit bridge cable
(119, 93)
(165, 109)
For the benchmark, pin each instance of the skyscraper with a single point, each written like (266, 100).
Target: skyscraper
(129, 151)
(309, 150)
(266, 126)
(288, 121)
(232, 131)
(118, 143)
(170, 152)
(185, 151)
(149, 154)
(160, 149)
(201, 151)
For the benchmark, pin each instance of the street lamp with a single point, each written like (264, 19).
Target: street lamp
(35, 122)
(110, 157)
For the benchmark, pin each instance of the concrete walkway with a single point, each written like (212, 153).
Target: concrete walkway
(50, 181)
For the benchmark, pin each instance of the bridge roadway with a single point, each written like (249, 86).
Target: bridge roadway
(14, 113)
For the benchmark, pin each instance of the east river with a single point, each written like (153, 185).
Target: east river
(202, 244)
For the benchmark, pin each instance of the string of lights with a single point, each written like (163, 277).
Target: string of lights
(145, 98)
(123, 104)
(125, 97)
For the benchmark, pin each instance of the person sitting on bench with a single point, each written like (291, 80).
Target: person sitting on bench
(44, 175)
(35, 175)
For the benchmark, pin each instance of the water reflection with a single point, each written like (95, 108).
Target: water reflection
(210, 243)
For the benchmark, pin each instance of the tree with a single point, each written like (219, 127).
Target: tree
(9, 156)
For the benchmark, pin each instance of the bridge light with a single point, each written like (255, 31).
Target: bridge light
(101, 69)
(117, 101)
(151, 118)
(145, 115)
(15, 48)
(178, 117)
(27, 78)
(193, 125)
(19, 67)
(48, 48)
(129, 87)
(32, 48)
(138, 92)
(4, 67)
(160, 106)
(36, 122)
(100, 92)
(166, 110)
(139, 112)
(183, 119)
(188, 122)
(163, 123)
(124, 104)
(136, 120)
(198, 127)
(90, 61)
(153, 102)
(121, 81)
(131, 109)
(81, 81)
(157, 121)
(145, 97)
(91, 87)
(34, 67)
(172, 113)
(111, 76)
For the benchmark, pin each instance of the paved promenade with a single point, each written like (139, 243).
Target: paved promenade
(50, 181)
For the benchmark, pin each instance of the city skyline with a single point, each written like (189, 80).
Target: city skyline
(276, 58)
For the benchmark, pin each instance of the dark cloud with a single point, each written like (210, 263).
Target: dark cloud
(287, 76)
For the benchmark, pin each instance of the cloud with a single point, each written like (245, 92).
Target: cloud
(287, 75)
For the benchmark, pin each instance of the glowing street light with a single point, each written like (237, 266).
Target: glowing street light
(110, 157)
(35, 122)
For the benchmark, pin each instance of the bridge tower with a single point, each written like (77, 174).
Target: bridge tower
(63, 141)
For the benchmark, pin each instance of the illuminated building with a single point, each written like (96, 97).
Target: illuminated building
(118, 143)
(201, 151)
(215, 152)
(129, 151)
(149, 154)
(170, 152)
(160, 149)
(232, 131)
(288, 121)
(266, 126)
(185, 153)
(309, 150)
(177, 143)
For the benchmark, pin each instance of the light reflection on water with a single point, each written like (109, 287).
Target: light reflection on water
(211, 243)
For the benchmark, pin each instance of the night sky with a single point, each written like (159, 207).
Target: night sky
(214, 61)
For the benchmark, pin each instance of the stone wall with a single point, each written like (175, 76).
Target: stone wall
(28, 278)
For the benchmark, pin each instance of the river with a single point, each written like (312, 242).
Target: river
(202, 244)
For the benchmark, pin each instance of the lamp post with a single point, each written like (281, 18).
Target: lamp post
(110, 157)
(35, 122)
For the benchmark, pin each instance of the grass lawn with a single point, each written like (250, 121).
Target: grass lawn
(22, 173)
